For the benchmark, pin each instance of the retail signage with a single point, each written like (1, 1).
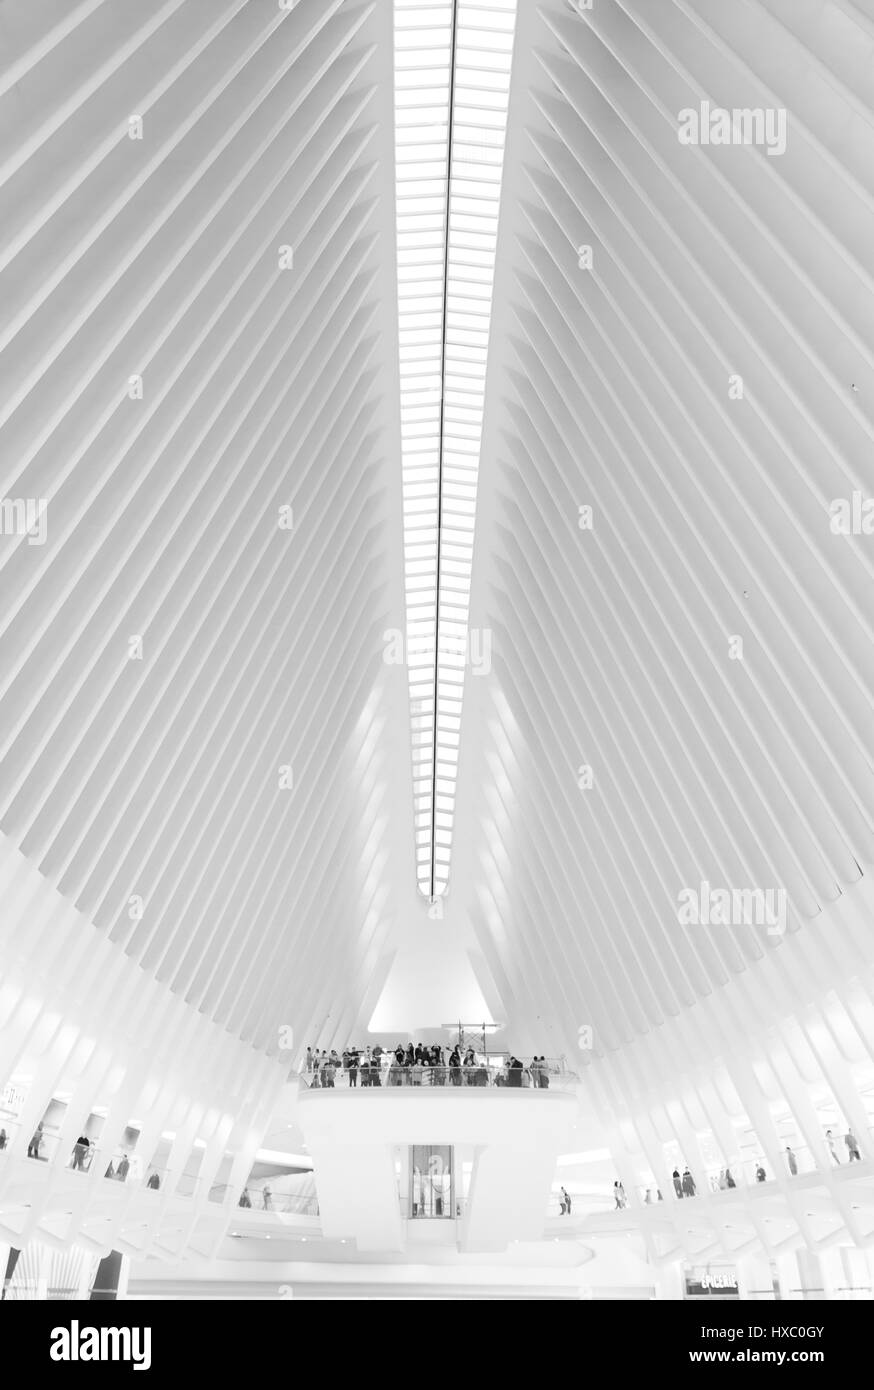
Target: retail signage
(709, 1283)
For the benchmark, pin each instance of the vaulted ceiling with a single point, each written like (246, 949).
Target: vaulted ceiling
(200, 367)
(680, 387)
(203, 746)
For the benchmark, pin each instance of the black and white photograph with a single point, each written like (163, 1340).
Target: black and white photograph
(436, 578)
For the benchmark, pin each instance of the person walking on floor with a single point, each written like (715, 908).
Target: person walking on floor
(792, 1161)
(678, 1185)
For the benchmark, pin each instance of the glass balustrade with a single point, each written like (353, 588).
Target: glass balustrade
(799, 1161)
(482, 1072)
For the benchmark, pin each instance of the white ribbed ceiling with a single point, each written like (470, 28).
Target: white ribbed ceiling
(198, 354)
(641, 508)
(198, 272)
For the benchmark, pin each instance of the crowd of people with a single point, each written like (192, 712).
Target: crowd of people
(419, 1064)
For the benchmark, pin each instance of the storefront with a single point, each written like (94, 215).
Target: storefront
(710, 1281)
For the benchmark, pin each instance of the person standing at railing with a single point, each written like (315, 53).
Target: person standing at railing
(245, 1199)
(35, 1142)
(792, 1161)
(2, 1140)
(852, 1144)
(455, 1067)
(123, 1169)
(376, 1066)
(319, 1069)
(309, 1061)
(268, 1199)
(396, 1075)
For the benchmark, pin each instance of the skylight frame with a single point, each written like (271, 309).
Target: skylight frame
(457, 54)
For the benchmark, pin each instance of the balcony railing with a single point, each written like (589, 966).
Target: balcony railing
(756, 1172)
(264, 1199)
(388, 1072)
(117, 1165)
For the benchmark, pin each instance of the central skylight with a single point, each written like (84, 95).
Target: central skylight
(452, 82)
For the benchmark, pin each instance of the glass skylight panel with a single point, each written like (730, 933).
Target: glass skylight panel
(449, 166)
